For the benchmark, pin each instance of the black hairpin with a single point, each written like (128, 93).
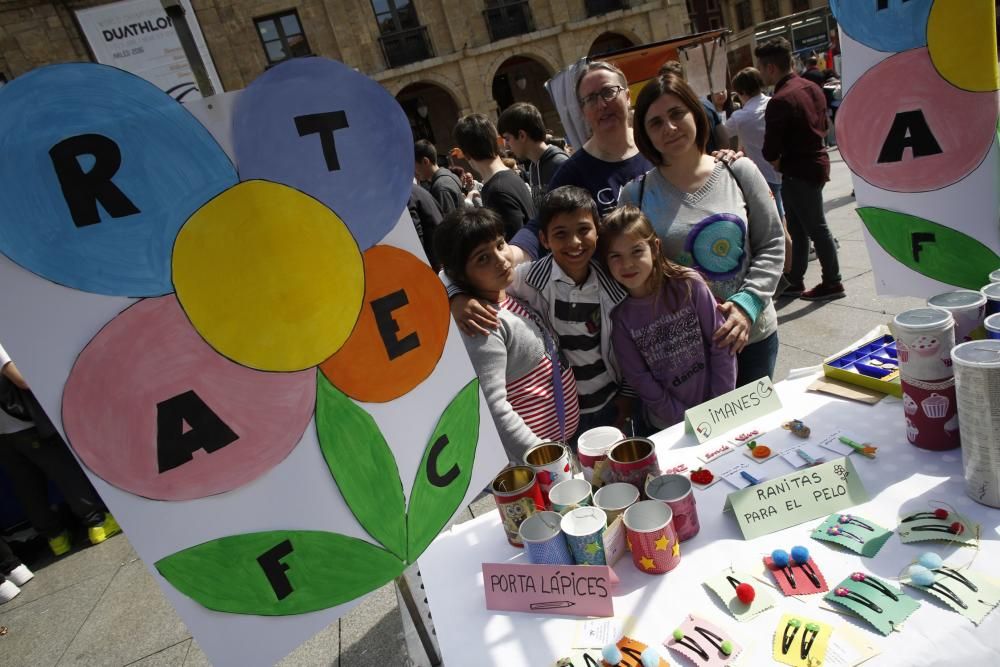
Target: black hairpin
(806, 646)
(847, 518)
(634, 654)
(787, 639)
(800, 555)
(725, 647)
(957, 576)
(939, 513)
(836, 531)
(948, 593)
(589, 661)
(955, 528)
(780, 558)
(733, 581)
(876, 584)
(854, 596)
(689, 642)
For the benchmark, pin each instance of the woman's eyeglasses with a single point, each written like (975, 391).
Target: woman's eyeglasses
(607, 93)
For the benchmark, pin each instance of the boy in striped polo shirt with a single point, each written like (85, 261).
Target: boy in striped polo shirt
(575, 296)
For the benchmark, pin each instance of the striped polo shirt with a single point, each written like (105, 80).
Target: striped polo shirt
(533, 395)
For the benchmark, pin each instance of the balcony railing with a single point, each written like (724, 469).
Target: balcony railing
(509, 20)
(599, 7)
(404, 47)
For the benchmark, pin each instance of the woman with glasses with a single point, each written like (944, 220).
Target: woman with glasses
(609, 159)
(718, 219)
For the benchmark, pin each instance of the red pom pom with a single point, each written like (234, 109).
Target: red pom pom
(745, 593)
(956, 528)
(940, 513)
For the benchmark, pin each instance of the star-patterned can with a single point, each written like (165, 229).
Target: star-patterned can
(676, 492)
(552, 464)
(518, 497)
(584, 529)
(544, 542)
(649, 529)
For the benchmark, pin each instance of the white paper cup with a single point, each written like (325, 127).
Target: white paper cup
(615, 498)
(569, 494)
(967, 307)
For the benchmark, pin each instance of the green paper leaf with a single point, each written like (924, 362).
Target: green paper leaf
(315, 570)
(936, 251)
(445, 470)
(362, 466)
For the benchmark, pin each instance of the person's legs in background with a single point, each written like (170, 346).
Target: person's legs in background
(757, 360)
(804, 207)
(13, 573)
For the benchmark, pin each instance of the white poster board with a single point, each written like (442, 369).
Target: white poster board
(138, 36)
(346, 463)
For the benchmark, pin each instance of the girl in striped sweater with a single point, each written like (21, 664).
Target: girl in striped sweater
(529, 388)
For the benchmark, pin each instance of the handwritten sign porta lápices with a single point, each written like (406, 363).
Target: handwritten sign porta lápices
(572, 590)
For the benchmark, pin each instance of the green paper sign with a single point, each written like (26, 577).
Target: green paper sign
(743, 404)
(797, 497)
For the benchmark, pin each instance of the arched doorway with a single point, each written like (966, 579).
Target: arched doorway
(432, 113)
(609, 42)
(522, 79)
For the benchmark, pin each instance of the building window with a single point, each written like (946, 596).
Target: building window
(714, 23)
(744, 15)
(403, 39)
(508, 18)
(772, 10)
(282, 37)
(598, 7)
(799, 5)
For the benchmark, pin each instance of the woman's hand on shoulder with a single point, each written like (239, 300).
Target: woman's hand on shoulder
(472, 316)
(735, 331)
(727, 155)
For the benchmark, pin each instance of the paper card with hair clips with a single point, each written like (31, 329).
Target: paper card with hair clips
(704, 643)
(629, 654)
(795, 573)
(801, 642)
(938, 524)
(884, 606)
(972, 594)
(742, 594)
(858, 534)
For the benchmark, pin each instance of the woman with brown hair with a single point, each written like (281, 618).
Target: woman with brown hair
(716, 218)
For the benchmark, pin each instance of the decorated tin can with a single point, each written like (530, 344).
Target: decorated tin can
(552, 464)
(977, 381)
(632, 460)
(544, 542)
(592, 449)
(676, 491)
(992, 294)
(968, 308)
(924, 340)
(518, 497)
(584, 530)
(650, 530)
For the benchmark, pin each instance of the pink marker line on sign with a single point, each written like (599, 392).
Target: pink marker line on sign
(572, 590)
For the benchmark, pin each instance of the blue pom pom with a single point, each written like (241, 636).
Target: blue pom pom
(611, 654)
(650, 658)
(930, 560)
(800, 555)
(921, 576)
(780, 557)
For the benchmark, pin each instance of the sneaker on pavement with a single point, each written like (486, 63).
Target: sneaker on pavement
(104, 530)
(60, 544)
(791, 290)
(824, 292)
(20, 575)
(8, 591)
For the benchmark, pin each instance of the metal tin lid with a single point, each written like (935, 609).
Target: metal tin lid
(923, 319)
(957, 300)
(977, 354)
(992, 323)
(992, 291)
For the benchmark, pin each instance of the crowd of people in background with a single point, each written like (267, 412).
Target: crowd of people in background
(624, 281)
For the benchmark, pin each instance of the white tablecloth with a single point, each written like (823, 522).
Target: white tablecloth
(902, 479)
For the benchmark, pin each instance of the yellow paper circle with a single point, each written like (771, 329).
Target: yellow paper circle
(270, 277)
(962, 44)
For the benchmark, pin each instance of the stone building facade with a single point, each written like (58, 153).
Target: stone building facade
(439, 58)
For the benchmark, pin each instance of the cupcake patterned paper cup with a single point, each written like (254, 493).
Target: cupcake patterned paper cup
(924, 338)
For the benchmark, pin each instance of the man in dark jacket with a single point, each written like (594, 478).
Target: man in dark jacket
(426, 216)
(444, 186)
